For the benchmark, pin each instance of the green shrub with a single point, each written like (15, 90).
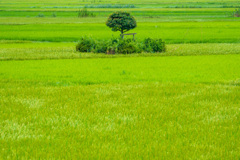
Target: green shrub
(102, 46)
(111, 6)
(120, 46)
(154, 45)
(40, 15)
(54, 15)
(85, 13)
(236, 13)
(85, 44)
(113, 46)
(128, 46)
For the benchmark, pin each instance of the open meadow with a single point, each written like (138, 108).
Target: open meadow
(57, 103)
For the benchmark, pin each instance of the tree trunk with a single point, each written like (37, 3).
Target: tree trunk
(122, 36)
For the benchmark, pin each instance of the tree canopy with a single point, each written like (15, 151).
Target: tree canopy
(121, 21)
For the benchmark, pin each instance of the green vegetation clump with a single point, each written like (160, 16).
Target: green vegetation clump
(121, 21)
(128, 46)
(102, 46)
(154, 45)
(111, 6)
(85, 13)
(236, 13)
(121, 46)
(54, 15)
(86, 44)
(40, 15)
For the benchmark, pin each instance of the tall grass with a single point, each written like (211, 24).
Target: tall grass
(149, 107)
(120, 121)
(169, 12)
(191, 69)
(21, 50)
(163, 106)
(172, 32)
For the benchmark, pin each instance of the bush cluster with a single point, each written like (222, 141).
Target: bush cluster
(40, 15)
(120, 46)
(85, 13)
(236, 13)
(111, 6)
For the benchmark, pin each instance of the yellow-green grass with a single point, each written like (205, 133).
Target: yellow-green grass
(100, 19)
(135, 121)
(141, 15)
(135, 108)
(171, 32)
(181, 104)
(183, 10)
(35, 3)
(52, 20)
(69, 2)
(24, 50)
(182, 13)
(105, 1)
(192, 69)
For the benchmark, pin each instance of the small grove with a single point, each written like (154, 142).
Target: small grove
(122, 22)
(120, 46)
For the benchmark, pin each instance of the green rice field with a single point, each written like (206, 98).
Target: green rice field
(57, 103)
(180, 32)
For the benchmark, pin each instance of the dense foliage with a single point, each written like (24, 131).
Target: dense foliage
(111, 6)
(236, 13)
(121, 21)
(154, 45)
(85, 13)
(85, 44)
(120, 46)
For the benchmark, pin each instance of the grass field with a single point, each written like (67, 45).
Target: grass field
(143, 3)
(104, 12)
(218, 68)
(56, 103)
(134, 121)
(178, 32)
(27, 50)
(134, 108)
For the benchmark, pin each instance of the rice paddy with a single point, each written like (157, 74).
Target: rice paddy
(56, 103)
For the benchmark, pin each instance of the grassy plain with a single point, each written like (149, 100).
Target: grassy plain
(56, 103)
(27, 50)
(104, 12)
(178, 32)
(147, 107)
(21, 4)
(195, 69)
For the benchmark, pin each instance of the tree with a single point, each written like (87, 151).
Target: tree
(121, 21)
